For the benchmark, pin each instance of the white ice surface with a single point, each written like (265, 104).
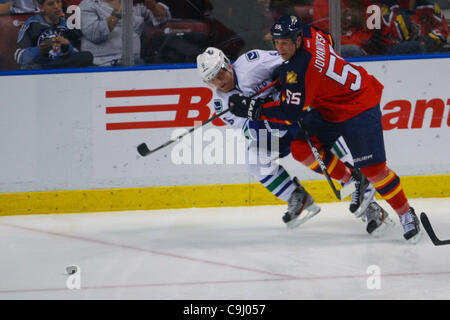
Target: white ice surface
(220, 253)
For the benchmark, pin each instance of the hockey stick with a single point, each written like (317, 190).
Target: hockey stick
(340, 194)
(144, 150)
(427, 225)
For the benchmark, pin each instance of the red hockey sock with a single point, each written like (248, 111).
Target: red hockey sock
(387, 183)
(337, 170)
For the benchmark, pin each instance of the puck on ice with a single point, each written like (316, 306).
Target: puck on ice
(71, 269)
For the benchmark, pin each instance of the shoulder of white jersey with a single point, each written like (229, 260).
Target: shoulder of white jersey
(271, 58)
(257, 55)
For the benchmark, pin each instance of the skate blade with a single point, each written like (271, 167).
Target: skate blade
(416, 238)
(367, 200)
(307, 214)
(387, 224)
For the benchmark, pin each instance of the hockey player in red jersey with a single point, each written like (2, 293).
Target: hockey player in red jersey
(345, 99)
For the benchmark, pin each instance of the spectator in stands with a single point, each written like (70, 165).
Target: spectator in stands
(45, 40)
(101, 25)
(398, 34)
(354, 32)
(433, 27)
(416, 28)
(18, 6)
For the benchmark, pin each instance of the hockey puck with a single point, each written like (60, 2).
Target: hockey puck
(72, 269)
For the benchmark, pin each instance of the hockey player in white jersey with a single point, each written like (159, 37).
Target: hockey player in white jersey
(250, 73)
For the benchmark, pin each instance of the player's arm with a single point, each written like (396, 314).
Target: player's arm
(261, 109)
(297, 93)
(288, 108)
(299, 82)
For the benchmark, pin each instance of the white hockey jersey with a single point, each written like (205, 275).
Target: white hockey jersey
(253, 71)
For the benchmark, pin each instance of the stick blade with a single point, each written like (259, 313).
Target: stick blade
(143, 150)
(429, 229)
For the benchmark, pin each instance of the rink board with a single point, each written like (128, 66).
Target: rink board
(79, 201)
(69, 143)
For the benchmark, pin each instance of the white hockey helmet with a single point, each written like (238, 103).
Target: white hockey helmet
(210, 62)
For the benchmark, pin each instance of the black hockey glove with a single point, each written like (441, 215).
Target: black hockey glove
(245, 107)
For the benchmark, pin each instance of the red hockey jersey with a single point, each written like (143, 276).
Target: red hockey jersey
(317, 76)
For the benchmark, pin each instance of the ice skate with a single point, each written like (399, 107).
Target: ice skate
(301, 207)
(378, 221)
(411, 226)
(360, 200)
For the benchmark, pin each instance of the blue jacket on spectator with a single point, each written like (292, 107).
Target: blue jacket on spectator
(35, 30)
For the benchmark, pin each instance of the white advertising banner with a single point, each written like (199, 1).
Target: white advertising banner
(80, 131)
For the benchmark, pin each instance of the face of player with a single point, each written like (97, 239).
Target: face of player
(286, 47)
(52, 10)
(223, 81)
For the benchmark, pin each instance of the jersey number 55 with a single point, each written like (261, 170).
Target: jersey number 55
(293, 97)
(346, 69)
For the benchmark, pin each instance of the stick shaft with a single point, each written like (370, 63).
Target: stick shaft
(270, 85)
(319, 159)
(189, 131)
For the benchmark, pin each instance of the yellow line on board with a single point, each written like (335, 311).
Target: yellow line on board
(233, 195)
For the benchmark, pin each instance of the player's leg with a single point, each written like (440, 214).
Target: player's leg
(324, 136)
(336, 169)
(376, 218)
(301, 207)
(364, 137)
(360, 200)
(388, 185)
(276, 179)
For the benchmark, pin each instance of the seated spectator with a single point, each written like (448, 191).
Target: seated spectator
(148, 12)
(45, 40)
(398, 34)
(418, 27)
(433, 25)
(354, 32)
(101, 25)
(204, 26)
(18, 6)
